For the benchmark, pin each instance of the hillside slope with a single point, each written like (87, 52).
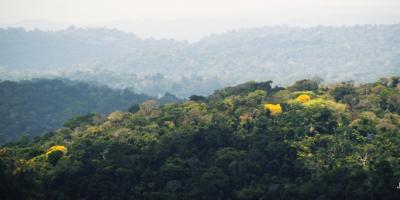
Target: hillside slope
(250, 141)
(34, 107)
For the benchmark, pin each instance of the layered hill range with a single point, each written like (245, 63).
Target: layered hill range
(283, 54)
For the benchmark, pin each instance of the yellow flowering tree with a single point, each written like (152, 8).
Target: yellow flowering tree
(303, 98)
(54, 153)
(273, 108)
(57, 148)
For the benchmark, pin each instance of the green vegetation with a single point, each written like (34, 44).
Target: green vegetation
(334, 142)
(38, 106)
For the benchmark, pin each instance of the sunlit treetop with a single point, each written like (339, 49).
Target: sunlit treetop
(115, 116)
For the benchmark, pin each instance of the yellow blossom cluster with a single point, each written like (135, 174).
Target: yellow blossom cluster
(57, 148)
(273, 108)
(303, 98)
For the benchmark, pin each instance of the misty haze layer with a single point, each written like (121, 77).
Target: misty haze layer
(192, 19)
(281, 53)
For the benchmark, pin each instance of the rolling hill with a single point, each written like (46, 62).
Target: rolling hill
(250, 141)
(34, 107)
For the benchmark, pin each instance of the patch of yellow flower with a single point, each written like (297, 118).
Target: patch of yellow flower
(320, 102)
(303, 98)
(57, 148)
(273, 108)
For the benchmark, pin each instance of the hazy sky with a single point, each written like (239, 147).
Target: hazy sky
(235, 13)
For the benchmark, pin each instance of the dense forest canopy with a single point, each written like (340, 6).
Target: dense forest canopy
(284, 54)
(251, 141)
(34, 107)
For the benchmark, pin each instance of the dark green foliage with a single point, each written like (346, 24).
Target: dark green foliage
(304, 85)
(134, 108)
(342, 90)
(244, 88)
(54, 156)
(226, 146)
(393, 103)
(197, 98)
(38, 106)
(169, 98)
(89, 119)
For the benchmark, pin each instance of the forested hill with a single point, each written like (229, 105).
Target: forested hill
(251, 141)
(34, 107)
(280, 53)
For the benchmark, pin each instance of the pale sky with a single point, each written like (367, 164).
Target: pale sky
(237, 13)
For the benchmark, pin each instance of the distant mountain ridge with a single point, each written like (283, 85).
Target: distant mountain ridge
(284, 54)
